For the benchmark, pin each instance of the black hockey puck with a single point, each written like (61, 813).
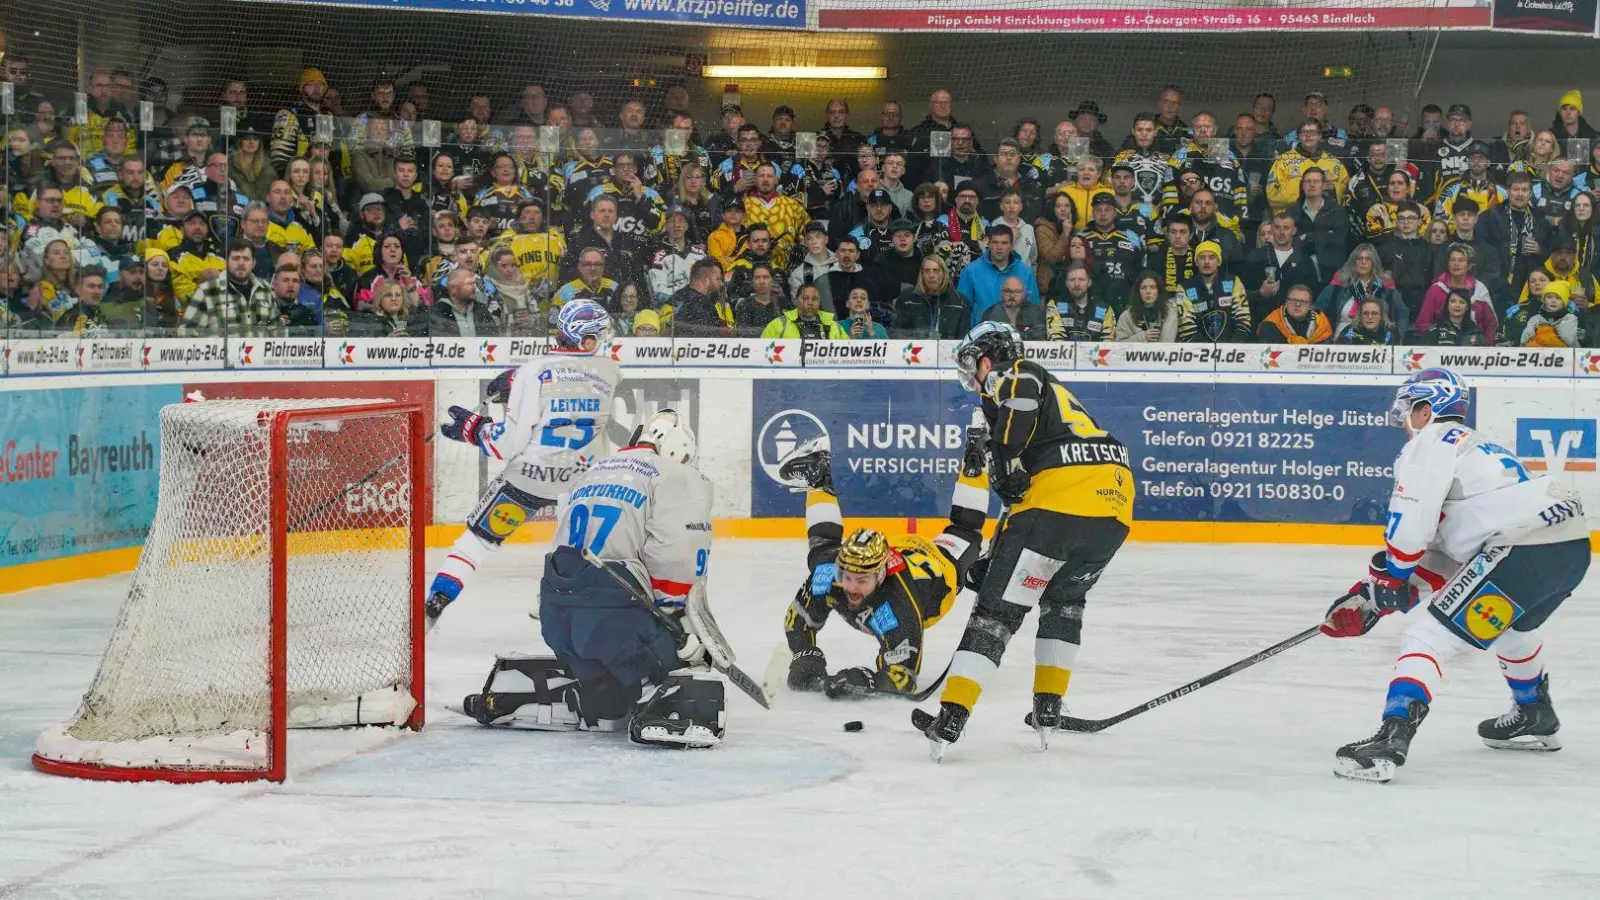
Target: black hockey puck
(853, 726)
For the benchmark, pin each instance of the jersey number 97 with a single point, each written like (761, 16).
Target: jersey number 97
(579, 517)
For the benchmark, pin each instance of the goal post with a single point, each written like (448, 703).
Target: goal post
(280, 587)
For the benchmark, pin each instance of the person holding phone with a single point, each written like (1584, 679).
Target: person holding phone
(861, 326)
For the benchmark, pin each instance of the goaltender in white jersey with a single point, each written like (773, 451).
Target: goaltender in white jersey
(645, 513)
(557, 409)
(1497, 549)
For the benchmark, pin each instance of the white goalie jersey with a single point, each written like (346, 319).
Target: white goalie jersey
(555, 420)
(650, 513)
(1456, 493)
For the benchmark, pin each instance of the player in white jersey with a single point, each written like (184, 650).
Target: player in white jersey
(557, 409)
(644, 511)
(1498, 549)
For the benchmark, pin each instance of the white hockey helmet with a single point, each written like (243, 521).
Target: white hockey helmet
(670, 434)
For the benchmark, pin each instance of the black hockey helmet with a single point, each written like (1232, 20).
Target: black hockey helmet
(996, 341)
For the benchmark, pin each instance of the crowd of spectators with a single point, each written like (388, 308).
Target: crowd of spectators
(1291, 227)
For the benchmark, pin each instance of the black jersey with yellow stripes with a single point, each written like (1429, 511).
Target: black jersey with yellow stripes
(1078, 467)
(919, 586)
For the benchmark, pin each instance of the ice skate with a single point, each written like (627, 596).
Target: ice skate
(809, 465)
(1376, 758)
(1530, 726)
(946, 729)
(1045, 718)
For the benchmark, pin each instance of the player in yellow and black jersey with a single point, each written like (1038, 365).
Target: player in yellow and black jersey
(1069, 493)
(893, 590)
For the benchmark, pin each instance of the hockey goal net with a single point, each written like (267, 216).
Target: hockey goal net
(280, 587)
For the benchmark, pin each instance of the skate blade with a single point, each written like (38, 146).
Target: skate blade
(1044, 738)
(936, 749)
(1379, 771)
(1538, 743)
(695, 738)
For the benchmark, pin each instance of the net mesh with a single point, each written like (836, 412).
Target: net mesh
(190, 652)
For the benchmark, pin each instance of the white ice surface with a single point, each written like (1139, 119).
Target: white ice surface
(1226, 793)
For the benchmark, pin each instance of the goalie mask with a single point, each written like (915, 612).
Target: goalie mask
(670, 434)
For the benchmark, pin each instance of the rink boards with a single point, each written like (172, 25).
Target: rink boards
(1228, 444)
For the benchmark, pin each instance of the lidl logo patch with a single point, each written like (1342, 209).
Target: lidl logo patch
(1557, 445)
(505, 517)
(1487, 615)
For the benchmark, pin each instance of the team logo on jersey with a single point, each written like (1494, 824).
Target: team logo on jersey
(1487, 615)
(505, 517)
(783, 432)
(1557, 445)
(1269, 359)
(486, 352)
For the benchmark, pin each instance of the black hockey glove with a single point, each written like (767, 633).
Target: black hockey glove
(1009, 480)
(499, 390)
(979, 570)
(975, 456)
(808, 670)
(851, 683)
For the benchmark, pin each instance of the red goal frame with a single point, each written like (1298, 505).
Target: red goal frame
(276, 768)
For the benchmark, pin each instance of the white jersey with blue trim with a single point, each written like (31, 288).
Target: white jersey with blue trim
(1456, 493)
(650, 513)
(556, 417)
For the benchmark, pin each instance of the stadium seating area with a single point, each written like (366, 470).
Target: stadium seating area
(309, 212)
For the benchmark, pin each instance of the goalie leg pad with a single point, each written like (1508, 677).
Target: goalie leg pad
(540, 693)
(501, 510)
(686, 711)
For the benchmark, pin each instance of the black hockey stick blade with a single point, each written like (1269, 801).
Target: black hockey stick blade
(1090, 726)
(736, 676)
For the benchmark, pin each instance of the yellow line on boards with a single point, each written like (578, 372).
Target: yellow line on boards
(112, 562)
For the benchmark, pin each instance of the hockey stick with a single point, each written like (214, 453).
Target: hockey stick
(757, 692)
(1090, 726)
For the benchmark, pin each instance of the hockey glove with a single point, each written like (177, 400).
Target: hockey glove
(975, 456)
(975, 575)
(1351, 615)
(465, 426)
(1390, 593)
(1009, 480)
(808, 670)
(855, 682)
(693, 653)
(499, 390)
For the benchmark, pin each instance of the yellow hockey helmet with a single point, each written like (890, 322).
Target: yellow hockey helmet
(865, 551)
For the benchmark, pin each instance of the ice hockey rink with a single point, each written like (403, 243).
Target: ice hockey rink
(1225, 793)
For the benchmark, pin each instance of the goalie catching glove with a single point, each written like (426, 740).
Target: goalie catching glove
(1378, 595)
